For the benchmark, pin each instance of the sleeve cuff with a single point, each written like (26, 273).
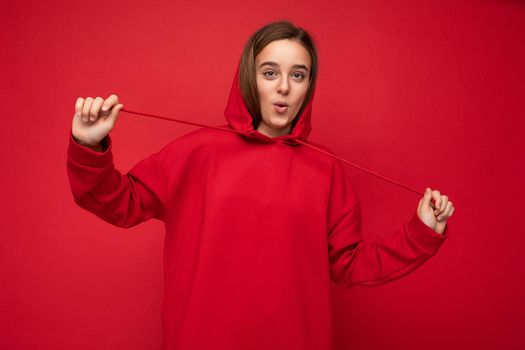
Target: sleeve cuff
(85, 155)
(429, 239)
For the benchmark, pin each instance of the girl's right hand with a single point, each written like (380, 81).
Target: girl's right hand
(94, 119)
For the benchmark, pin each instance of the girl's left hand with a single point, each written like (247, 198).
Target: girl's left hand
(436, 216)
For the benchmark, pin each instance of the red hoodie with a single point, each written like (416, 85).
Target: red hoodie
(256, 229)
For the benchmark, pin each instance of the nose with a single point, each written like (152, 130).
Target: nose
(283, 87)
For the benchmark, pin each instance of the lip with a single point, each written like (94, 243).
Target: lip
(280, 109)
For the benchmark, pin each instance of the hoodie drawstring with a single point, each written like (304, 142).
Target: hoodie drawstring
(295, 140)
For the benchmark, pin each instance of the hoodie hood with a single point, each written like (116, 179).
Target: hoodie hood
(238, 117)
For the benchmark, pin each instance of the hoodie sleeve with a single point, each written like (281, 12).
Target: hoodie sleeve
(123, 200)
(379, 260)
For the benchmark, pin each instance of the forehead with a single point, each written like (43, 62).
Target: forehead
(284, 52)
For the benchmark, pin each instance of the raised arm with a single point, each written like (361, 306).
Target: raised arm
(123, 200)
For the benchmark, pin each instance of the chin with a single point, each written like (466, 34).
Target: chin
(278, 125)
(279, 121)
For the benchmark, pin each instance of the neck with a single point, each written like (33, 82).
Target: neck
(272, 132)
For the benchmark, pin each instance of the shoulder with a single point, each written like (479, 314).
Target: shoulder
(333, 162)
(323, 147)
(201, 139)
(317, 152)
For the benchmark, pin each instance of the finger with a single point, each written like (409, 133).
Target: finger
(437, 196)
(446, 212)
(95, 108)
(78, 106)
(111, 101)
(451, 211)
(86, 107)
(444, 201)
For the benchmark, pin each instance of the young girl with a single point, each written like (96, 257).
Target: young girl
(257, 225)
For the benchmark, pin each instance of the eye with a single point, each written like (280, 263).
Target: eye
(269, 71)
(299, 75)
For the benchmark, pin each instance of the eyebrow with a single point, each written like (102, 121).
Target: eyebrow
(273, 64)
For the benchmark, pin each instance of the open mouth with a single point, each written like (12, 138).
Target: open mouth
(280, 107)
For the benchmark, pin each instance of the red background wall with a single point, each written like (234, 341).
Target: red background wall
(429, 93)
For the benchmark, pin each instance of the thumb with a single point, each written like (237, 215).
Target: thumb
(426, 198)
(112, 117)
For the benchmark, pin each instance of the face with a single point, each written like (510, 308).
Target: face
(282, 70)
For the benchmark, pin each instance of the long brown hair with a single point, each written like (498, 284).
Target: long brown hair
(282, 29)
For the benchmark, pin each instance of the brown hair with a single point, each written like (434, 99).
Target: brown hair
(282, 29)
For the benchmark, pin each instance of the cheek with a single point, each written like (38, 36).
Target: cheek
(264, 88)
(301, 96)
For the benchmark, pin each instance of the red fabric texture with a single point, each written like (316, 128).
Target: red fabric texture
(256, 230)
